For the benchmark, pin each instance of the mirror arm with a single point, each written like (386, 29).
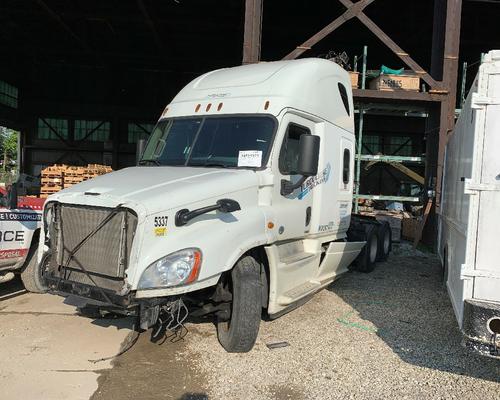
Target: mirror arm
(288, 187)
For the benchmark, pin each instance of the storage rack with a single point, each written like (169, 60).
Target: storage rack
(380, 109)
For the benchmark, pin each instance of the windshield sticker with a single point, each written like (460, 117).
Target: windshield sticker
(249, 158)
(314, 181)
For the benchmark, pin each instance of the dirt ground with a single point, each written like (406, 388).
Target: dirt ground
(388, 334)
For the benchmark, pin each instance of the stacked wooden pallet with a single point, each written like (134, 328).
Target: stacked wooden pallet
(73, 175)
(58, 177)
(52, 179)
(93, 170)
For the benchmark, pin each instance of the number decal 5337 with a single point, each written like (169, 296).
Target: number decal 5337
(161, 221)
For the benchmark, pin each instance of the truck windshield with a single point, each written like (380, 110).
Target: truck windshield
(242, 141)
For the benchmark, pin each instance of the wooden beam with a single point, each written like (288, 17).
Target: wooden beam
(403, 55)
(151, 25)
(396, 96)
(450, 74)
(352, 11)
(252, 31)
(427, 211)
(63, 25)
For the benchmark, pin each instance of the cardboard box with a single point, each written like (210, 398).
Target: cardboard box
(354, 79)
(411, 227)
(396, 82)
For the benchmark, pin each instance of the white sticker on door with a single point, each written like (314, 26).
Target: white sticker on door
(249, 158)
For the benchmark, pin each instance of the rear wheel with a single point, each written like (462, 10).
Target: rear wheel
(32, 273)
(239, 333)
(368, 256)
(384, 241)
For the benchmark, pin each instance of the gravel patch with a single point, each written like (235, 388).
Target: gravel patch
(388, 334)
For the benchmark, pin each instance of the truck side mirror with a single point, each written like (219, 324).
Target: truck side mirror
(307, 163)
(308, 155)
(141, 146)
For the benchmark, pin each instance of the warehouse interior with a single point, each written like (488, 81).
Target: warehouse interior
(83, 81)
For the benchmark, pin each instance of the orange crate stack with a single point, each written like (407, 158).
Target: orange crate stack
(73, 175)
(58, 177)
(94, 170)
(52, 179)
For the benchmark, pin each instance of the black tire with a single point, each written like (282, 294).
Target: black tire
(384, 241)
(238, 335)
(32, 272)
(368, 256)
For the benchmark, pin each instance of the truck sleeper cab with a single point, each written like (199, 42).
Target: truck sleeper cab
(241, 203)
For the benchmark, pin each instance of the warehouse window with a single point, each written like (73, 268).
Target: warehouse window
(401, 146)
(371, 144)
(8, 95)
(289, 155)
(92, 131)
(346, 170)
(344, 97)
(138, 131)
(52, 128)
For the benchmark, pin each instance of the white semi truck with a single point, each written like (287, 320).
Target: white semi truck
(470, 215)
(241, 205)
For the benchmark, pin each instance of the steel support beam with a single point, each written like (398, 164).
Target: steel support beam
(151, 25)
(353, 10)
(403, 55)
(450, 75)
(63, 25)
(252, 31)
(356, 10)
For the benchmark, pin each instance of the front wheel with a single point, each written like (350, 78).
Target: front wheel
(32, 273)
(239, 333)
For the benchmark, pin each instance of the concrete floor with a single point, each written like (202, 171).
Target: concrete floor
(46, 349)
(388, 334)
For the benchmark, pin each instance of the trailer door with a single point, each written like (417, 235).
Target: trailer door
(487, 269)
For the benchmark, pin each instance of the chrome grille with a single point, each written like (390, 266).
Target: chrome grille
(104, 255)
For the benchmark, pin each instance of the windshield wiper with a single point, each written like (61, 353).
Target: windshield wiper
(215, 164)
(150, 161)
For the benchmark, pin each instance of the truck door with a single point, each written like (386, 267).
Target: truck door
(292, 212)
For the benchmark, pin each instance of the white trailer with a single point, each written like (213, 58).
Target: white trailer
(470, 214)
(241, 204)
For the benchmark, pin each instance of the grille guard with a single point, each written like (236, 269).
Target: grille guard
(103, 274)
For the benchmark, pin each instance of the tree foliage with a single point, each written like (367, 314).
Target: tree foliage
(8, 146)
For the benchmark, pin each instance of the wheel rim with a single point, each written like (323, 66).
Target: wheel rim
(226, 325)
(373, 249)
(43, 266)
(387, 242)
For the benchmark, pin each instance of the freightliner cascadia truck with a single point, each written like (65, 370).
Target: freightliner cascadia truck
(239, 207)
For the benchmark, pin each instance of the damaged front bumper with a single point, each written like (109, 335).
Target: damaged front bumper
(86, 296)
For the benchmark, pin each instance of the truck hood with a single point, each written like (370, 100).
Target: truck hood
(157, 188)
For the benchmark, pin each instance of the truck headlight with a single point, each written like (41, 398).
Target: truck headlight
(178, 268)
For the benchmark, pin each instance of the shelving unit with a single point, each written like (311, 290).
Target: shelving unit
(381, 107)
